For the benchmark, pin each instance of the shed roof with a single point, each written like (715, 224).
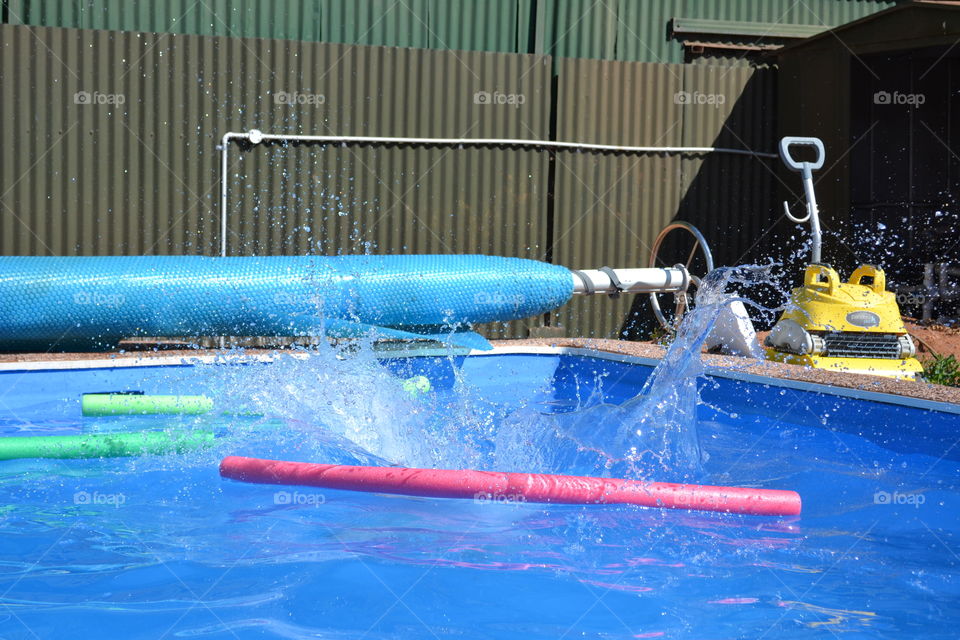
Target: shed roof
(907, 25)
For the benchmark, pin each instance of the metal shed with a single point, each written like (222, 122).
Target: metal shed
(882, 93)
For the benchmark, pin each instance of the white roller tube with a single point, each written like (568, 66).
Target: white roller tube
(630, 281)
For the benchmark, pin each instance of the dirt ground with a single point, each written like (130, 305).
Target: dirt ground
(934, 339)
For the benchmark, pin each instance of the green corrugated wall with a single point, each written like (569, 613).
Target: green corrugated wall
(610, 207)
(142, 177)
(626, 30)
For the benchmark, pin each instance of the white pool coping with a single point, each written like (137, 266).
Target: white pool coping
(719, 372)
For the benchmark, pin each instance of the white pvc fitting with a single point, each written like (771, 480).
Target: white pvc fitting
(647, 280)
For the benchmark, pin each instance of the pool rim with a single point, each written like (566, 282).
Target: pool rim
(137, 360)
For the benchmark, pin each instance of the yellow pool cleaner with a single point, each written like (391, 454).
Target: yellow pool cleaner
(852, 326)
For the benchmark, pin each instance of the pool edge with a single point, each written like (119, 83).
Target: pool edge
(727, 367)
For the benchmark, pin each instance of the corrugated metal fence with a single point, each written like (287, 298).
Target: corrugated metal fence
(610, 208)
(108, 143)
(627, 30)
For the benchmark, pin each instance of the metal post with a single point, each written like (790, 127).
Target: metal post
(814, 215)
(928, 292)
(943, 285)
(224, 166)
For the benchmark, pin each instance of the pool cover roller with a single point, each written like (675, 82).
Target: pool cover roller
(91, 303)
(516, 487)
(104, 445)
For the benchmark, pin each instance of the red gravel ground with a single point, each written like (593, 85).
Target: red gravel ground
(935, 339)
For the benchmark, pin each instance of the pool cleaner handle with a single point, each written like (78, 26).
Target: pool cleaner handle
(513, 487)
(806, 170)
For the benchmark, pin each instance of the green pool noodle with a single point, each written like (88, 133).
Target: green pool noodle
(127, 404)
(104, 445)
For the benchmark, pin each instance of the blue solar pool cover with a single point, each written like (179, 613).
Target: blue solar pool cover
(90, 303)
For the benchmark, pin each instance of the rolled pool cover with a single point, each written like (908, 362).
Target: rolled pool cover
(514, 487)
(90, 303)
(127, 404)
(104, 445)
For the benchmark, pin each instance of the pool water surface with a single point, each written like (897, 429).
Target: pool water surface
(162, 547)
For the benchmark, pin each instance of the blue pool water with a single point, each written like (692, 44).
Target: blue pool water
(162, 547)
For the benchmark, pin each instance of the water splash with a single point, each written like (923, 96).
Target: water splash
(653, 435)
(342, 404)
(334, 403)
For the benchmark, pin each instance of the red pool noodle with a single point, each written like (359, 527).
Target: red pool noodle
(519, 487)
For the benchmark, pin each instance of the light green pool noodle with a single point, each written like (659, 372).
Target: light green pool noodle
(104, 445)
(124, 404)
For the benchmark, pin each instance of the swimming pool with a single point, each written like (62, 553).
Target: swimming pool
(162, 547)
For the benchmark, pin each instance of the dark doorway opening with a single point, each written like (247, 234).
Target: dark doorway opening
(904, 169)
